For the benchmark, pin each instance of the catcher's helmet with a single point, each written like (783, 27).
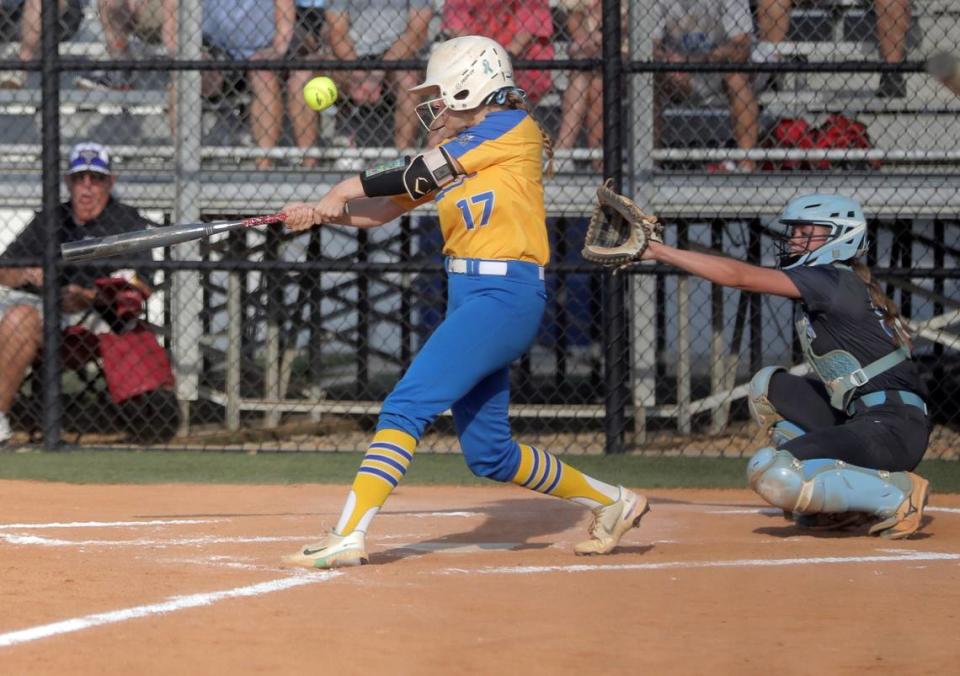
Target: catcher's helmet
(848, 230)
(466, 72)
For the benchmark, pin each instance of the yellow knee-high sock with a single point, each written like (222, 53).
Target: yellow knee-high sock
(386, 461)
(545, 473)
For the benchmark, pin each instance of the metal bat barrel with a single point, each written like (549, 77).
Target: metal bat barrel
(131, 242)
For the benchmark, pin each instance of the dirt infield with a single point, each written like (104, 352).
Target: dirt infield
(187, 579)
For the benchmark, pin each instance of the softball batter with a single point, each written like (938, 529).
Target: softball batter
(846, 439)
(484, 172)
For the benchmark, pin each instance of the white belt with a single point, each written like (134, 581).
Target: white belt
(497, 268)
(467, 266)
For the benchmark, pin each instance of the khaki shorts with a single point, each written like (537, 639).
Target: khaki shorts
(148, 21)
(11, 297)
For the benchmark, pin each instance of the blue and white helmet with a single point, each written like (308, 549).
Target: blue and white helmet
(848, 230)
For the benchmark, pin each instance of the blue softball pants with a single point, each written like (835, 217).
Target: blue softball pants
(491, 320)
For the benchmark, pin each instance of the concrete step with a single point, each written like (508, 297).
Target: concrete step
(923, 91)
(855, 92)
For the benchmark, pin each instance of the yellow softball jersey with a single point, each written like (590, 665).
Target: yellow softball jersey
(495, 210)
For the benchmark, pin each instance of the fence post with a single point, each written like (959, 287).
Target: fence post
(186, 300)
(614, 305)
(644, 289)
(50, 89)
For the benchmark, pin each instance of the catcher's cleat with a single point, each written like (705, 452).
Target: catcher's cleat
(906, 520)
(335, 551)
(610, 523)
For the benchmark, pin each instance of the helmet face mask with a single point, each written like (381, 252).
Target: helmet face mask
(428, 111)
(845, 240)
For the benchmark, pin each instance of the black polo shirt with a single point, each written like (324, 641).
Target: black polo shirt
(116, 218)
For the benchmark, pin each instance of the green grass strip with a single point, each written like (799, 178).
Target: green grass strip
(151, 467)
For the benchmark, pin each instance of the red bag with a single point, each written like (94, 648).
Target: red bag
(134, 362)
(125, 299)
(80, 345)
(839, 132)
(790, 133)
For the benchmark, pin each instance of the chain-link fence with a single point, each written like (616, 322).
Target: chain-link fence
(711, 113)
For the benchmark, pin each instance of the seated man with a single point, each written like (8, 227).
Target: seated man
(151, 21)
(385, 30)
(258, 30)
(90, 212)
(309, 42)
(20, 19)
(702, 31)
(893, 21)
(582, 108)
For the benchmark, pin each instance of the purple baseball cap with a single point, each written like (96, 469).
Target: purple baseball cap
(89, 157)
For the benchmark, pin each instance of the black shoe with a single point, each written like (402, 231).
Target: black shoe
(109, 81)
(892, 86)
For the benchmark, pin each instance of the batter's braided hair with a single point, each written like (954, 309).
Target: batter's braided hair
(888, 309)
(516, 100)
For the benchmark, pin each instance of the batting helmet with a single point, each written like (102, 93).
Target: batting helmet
(466, 72)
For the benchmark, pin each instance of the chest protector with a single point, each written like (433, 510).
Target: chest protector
(839, 370)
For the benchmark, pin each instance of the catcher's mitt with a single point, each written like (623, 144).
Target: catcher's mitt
(619, 231)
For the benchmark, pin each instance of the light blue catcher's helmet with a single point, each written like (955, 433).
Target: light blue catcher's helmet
(848, 230)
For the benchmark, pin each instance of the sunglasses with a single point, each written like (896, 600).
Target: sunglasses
(94, 176)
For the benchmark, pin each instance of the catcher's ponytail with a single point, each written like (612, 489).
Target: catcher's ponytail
(516, 101)
(888, 309)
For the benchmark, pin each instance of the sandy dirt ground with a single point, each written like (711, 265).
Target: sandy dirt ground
(188, 579)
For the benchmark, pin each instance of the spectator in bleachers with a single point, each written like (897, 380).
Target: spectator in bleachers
(523, 27)
(893, 21)
(375, 30)
(90, 212)
(582, 107)
(26, 13)
(309, 41)
(151, 21)
(258, 30)
(707, 31)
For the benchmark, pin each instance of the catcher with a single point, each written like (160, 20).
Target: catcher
(830, 464)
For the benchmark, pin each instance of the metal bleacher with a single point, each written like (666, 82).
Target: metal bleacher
(914, 136)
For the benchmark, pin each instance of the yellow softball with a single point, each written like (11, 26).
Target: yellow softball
(320, 93)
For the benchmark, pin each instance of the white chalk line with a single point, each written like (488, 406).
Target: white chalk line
(771, 511)
(670, 565)
(16, 539)
(422, 515)
(107, 524)
(178, 603)
(171, 605)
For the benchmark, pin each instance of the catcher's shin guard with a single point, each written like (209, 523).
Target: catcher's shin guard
(764, 413)
(832, 486)
(762, 410)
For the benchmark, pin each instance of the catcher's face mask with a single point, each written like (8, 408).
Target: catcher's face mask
(800, 240)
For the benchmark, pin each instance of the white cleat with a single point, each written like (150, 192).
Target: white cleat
(610, 523)
(335, 551)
